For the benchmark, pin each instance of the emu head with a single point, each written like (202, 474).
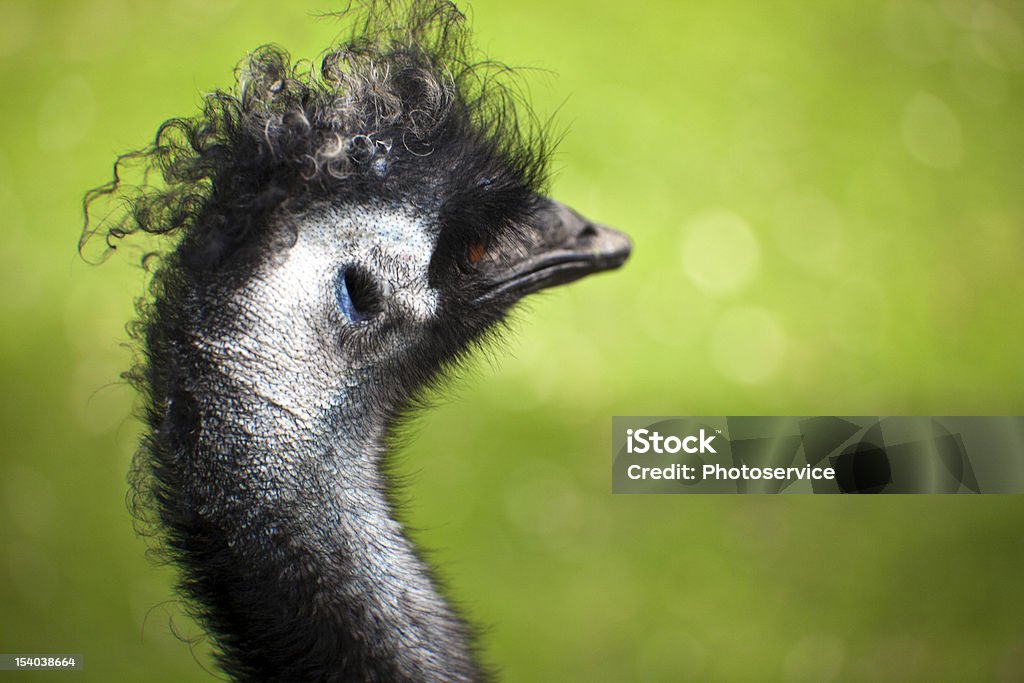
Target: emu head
(360, 223)
(366, 301)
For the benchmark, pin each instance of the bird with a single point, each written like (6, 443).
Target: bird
(335, 239)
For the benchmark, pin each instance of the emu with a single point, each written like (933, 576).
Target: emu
(336, 239)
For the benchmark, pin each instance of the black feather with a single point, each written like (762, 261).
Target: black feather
(403, 112)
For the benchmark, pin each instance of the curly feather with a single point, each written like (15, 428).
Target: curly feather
(403, 86)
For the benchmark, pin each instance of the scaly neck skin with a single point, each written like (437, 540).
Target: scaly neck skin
(292, 547)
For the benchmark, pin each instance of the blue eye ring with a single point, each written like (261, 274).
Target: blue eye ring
(356, 294)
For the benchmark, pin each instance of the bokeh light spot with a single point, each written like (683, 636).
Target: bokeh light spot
(720, 252)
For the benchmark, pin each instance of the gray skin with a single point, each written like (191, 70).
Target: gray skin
(294, 411)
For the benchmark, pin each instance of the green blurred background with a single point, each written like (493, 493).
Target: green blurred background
(828, 212)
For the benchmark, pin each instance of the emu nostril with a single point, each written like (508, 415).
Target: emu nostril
(588, 231)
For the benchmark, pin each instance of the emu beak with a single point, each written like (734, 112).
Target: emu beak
(560, 246)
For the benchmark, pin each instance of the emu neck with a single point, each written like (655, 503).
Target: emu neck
(294, 551)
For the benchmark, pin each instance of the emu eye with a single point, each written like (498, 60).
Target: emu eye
(476, 252)
(357, 295)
